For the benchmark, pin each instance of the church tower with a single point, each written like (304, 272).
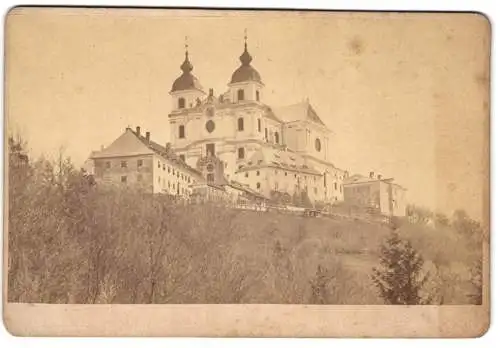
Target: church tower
(186, 91)
(245, 84)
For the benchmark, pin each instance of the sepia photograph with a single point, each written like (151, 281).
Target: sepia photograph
(300, 159)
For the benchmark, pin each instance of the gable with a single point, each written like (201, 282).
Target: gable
(126, 144)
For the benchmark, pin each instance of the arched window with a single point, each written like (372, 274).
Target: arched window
(241, 153)
(257, 95)
(241, 94)
(258, 185)
(240, 124)
(277, 137)
(181, 132)
(181, 103)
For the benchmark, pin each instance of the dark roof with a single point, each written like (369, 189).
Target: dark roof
(165, 153)
(245, 73)
(186, 81)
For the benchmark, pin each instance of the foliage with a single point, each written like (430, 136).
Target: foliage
(399, 279)
(72, 241)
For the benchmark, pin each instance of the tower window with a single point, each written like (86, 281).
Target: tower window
(259, 125)
(210, 126)
(241, 125)
(181, 103)
(210, 177)
(241, 153)
(318, 145)
(257, 95)
(241, 94)
(181, 132)
(276, 137)
(210, 149)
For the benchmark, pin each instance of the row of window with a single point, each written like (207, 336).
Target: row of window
(181, 102)
(210, 127)
(172, 170)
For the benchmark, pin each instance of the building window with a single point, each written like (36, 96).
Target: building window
(181, 103)
(108, 164)
(124, 179)
(257, 95)
(183, 158)
(159, 179)
(169, 184)
(340, 188)
(335, 185)
(276, 186)
(241, 153)
(124, 164)
(163, 166)
(286, 173)
(246, 175)
(258, 173)
(240, 124)
(315, 190)
(159, 164)
(181, 132)
(210, 126)
(241, 94)
(173, 171)
(317, 144)
(210, 177)
(265, 131)
(259, 125)
(294, 175)
(139, 177)
(210, 149)
(277, 137)
(258, 185)
(189, 180)
(139, 163)
(168, 170)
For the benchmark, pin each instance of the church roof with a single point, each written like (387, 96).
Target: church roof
(187, 81)
(278, 157)
(246, 72)
(297, 112)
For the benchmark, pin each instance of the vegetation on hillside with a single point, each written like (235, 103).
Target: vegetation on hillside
(71, 241)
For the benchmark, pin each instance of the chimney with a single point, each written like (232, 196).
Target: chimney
(138, 130)
(379, 177)
(372, 174)
(147, 136)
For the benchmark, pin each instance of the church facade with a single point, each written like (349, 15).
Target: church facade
(273, 150)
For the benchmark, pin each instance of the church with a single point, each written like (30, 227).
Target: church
(277, 151)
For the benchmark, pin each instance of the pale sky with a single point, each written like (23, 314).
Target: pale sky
(406, 95)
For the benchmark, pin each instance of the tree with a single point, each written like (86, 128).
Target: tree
(476, 295)
(399, 277)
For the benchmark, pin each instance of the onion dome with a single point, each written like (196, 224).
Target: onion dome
(246, 72)
(187, 81)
